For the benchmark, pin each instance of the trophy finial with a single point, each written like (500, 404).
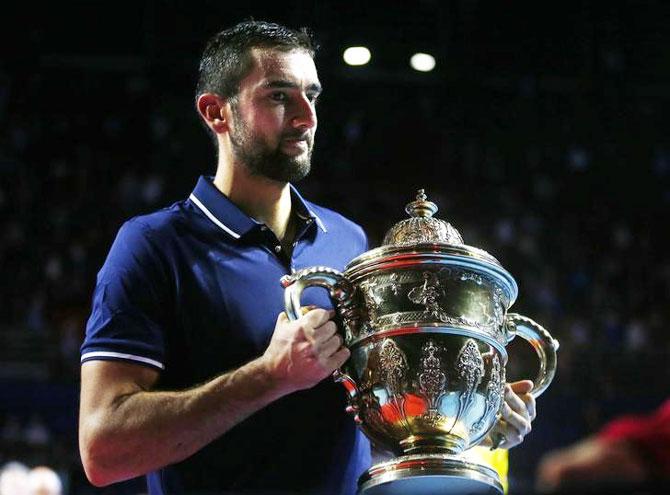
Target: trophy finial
(421, 207)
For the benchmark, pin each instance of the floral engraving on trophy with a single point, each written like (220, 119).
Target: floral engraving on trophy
(420, 227)
(417, 317)
(370, 407)
(494, 392)
(469, 370)
(394, 285)
(432, 380)
(393, 370)
(416, 231)
(393, 365)
(428, 289)
(429, 294)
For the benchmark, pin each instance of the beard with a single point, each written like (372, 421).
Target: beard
(261, 159)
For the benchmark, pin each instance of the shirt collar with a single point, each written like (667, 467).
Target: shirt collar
(302, 210)
(228, 217)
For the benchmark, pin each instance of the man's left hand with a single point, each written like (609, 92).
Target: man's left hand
(517, 414)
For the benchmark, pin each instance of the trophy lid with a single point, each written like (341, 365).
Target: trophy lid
(422, 227)
(423, 240)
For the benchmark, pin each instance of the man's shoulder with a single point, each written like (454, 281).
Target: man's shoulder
(159, 224)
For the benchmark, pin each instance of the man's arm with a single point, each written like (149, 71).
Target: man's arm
(126, 429)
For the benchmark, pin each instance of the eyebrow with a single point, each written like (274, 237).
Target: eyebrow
(281, 83)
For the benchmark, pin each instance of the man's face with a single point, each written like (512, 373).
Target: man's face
(274, 115)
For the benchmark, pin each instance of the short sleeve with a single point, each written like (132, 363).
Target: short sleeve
(130, 308)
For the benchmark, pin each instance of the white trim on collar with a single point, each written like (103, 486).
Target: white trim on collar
(318, 221)
(315, 217)
(211, 216)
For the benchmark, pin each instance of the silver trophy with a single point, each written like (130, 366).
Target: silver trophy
(425, 318)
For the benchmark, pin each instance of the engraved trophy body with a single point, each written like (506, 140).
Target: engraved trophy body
(425, 318)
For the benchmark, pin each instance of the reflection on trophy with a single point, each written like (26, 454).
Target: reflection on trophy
(425, 318)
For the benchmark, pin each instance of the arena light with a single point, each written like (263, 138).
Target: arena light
(423, 62)
(356, 55)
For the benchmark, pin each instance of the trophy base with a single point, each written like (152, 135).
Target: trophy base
(428, 474)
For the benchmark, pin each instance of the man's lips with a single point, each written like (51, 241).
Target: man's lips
(301, 137)
(298, 142)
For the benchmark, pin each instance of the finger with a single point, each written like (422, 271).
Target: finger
(530, 405)
(331, 346)
(517, 424)
(321, 334)
(522, 386)
(339, 358)
(516, 403)
(317, 317)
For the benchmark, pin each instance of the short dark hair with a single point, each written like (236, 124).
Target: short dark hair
(226, 59)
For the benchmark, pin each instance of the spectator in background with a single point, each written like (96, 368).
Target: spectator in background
(14, 479)
(42, 480)
(630, 449)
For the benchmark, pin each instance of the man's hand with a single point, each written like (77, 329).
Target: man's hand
(517, 414)
(303, 352)
(590, 461)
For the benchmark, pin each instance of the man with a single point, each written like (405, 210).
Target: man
(188, 374)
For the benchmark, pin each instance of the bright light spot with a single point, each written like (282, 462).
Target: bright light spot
(422, 62)
(356, 55)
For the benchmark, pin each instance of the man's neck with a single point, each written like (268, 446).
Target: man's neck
(265, 200)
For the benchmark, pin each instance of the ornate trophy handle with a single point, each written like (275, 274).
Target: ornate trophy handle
(338, 287)
(341, 291)
(544, 344)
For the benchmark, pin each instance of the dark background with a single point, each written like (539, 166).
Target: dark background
(542, 134)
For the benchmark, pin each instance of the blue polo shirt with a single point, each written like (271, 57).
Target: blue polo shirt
(193, 291)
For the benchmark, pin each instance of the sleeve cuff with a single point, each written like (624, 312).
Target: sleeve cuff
(113, 356)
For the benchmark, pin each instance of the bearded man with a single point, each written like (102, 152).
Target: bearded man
(192, 375)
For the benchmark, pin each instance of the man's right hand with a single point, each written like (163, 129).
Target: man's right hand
(303, 352)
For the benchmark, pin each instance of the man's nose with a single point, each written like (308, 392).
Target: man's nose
(305, 114)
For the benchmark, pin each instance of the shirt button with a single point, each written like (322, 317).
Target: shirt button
(277, 249)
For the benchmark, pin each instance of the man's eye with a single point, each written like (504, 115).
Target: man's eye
(278, 96)
(313, 98)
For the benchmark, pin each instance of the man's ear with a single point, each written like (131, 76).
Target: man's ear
(212, 109)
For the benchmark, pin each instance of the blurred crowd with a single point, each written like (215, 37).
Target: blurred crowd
(18, 479)
(568, 188)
